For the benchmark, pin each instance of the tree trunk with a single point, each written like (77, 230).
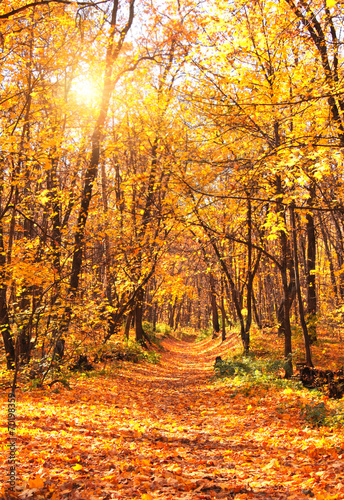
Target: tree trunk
(155, 316)
(113, 50)
(288, 288)
(255, 311)
(329, 257)
(139, 334)
(178, 315)
(250, 277)
(128, 324)
(286, 325)
(298, 290)
(234, 294)
(311, 262)
(223, 316)
(215, 315)
(4, 318)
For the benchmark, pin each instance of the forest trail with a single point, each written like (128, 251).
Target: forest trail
(169, 431)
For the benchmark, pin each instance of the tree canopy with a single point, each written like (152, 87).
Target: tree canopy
(169, 162)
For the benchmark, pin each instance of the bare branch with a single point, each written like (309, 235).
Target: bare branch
(47, 2)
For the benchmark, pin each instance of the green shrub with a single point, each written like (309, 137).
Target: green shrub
(148, 327)
(240, 366)
(133, 352)
(246, 373)
(152, 335)
(336, 417)
(163, 328)
(204, 334)
(127, 351)
(315, 413)
(152, 357)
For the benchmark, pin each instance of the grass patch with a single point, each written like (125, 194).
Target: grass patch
(250, 372)
(204, 334)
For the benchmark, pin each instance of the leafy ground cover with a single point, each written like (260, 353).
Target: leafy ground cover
(175, 431)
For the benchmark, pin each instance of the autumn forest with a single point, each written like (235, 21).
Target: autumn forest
(172, 178)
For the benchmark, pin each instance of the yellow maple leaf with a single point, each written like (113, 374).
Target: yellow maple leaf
(331, 3)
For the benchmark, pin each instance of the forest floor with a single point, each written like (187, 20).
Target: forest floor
(171, 431)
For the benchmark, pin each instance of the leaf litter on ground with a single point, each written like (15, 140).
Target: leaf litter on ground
(169, 431)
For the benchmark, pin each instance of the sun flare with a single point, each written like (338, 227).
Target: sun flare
(86, 91)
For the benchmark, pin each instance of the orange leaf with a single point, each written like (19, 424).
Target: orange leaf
(37, 482)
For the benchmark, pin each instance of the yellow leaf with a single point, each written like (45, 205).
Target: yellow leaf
(274, 463)
(77, 467)
(37, 482)
(43, 198)
(146, 496)
(331, 3)
(112, 477)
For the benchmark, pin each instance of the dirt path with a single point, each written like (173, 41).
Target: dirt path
(206, 440)
(169, 432)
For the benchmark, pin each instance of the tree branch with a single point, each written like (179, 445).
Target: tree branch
(47, 2)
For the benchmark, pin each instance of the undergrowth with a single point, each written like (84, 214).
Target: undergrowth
(157, 335)
(204, 333)
(317, 413)
(249, 371)
(247, 374)
(128, 351)
(111, 355)
(161, 329)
